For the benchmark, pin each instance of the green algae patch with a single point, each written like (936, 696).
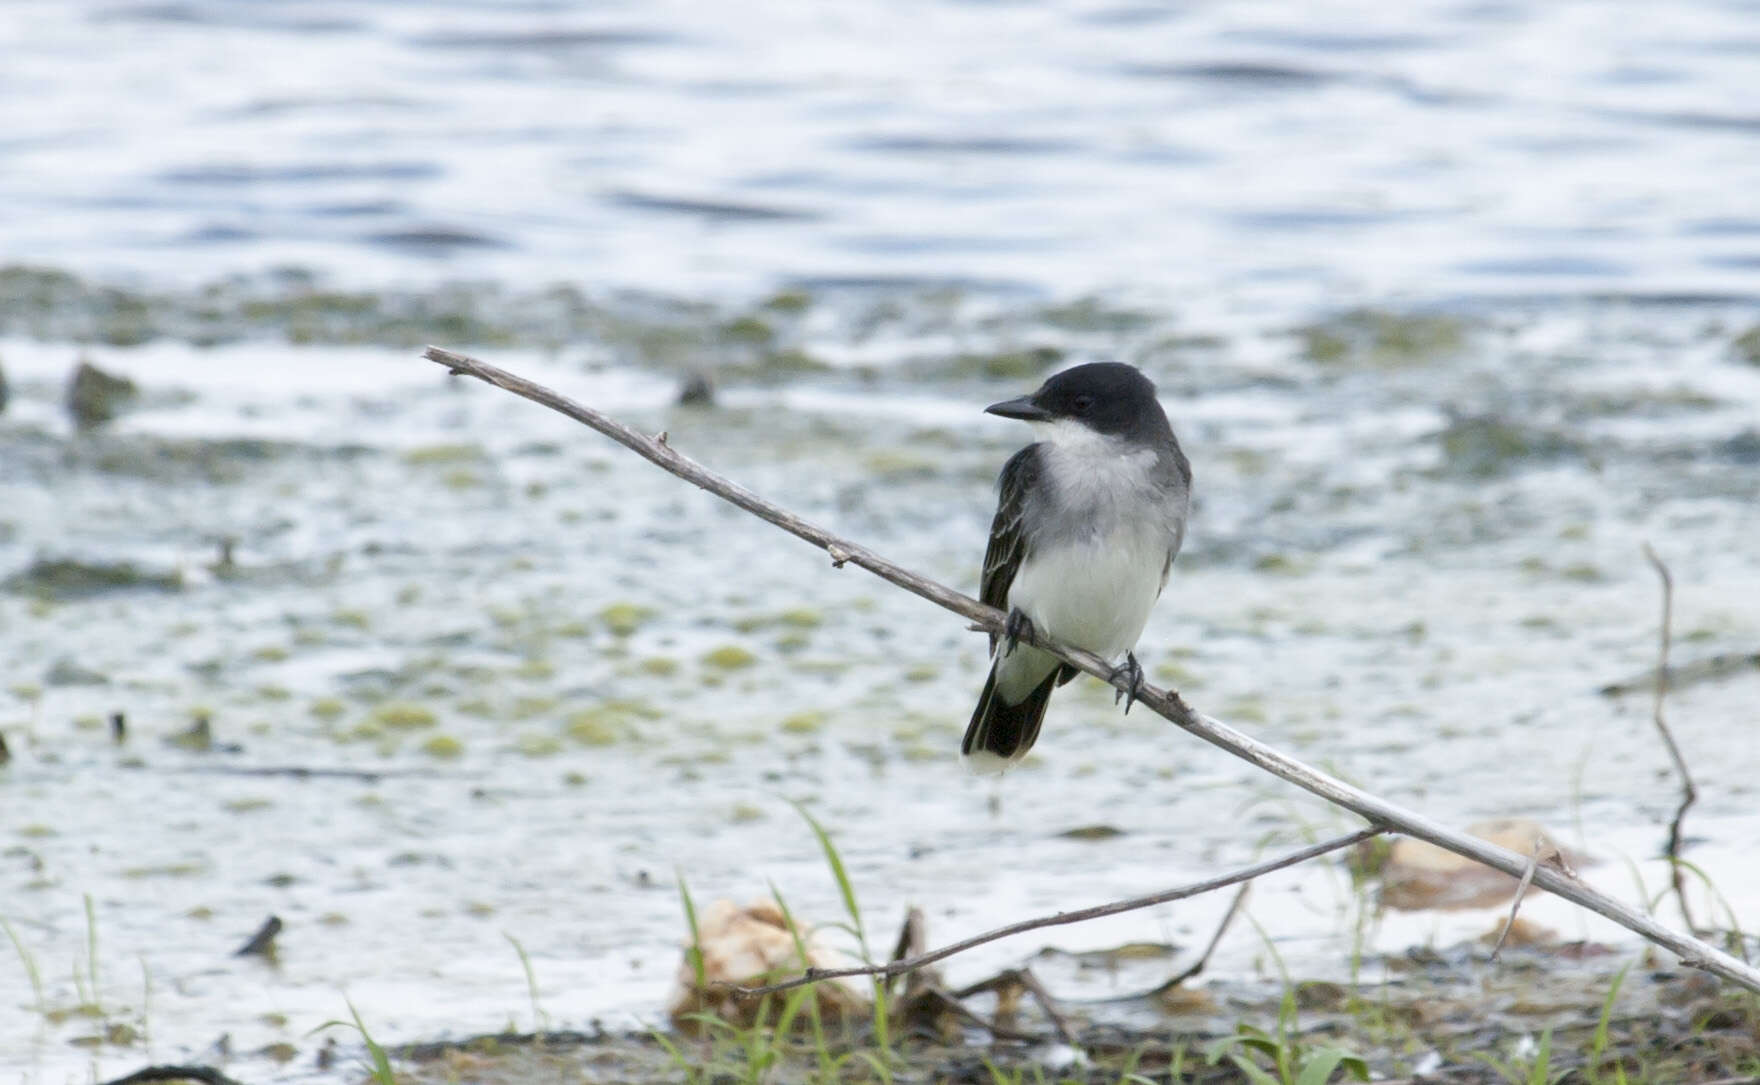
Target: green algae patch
(744, 813)
(624, 619)
(1371, 338)
(793, 618)
(900, 463)
(443, 747)
(729, 657)
(749, 330)
(535, 669)
(658, 666)
(609, 723)
(1279, 565)
(532, 744)
(526, 708)
(1022, 364)
(1746, 346)
(403, 716)
(1487, 447)
(1091, 314)
(62, 579)
(351, 619)
(444, 455)
(803, 723)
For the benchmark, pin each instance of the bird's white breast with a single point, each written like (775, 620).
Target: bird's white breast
(1092, 581)
(1094, 593)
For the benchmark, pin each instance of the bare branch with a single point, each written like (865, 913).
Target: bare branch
(895, 968)
(1689, 794)
(1692, 951)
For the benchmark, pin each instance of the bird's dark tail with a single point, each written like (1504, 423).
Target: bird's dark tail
(1001, 734)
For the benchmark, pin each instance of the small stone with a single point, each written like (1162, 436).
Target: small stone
(65, 672)
(697, 391)
(95, 397)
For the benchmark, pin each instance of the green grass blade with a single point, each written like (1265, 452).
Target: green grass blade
(381, 1062)
(835, 862)
(30, 966)
(1328, 1061)
(538, 1015)
(693, 952)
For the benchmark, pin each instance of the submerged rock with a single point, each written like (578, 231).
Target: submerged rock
(68, 672)
(95, 397)
(751, 946)
(697, 391)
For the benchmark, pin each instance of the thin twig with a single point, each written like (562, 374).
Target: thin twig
(1197, 966)
(1026, 981)
(895, 968)
(1540, 843)
(1689, 794)
(1692, 951)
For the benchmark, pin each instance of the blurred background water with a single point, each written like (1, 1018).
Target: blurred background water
(1203, 152)
(1453, 305)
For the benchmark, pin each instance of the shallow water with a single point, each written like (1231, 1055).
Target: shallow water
(1231, 155)
(1387, 266)
(579, 676)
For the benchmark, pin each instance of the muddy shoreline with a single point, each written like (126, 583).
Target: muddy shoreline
(1578, 1013)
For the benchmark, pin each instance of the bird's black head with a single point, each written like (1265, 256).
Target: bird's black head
(1107, 397)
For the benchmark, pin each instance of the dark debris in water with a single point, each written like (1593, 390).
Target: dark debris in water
(95, 397)
(1747, 345)
(70, 578)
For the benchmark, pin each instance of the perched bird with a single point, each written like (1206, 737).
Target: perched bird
(1087, 525)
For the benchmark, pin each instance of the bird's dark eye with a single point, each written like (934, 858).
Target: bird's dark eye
(1083, 404)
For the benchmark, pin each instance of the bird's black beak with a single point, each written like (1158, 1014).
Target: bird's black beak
(1022, 408)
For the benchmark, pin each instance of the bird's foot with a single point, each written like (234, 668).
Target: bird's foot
(1017, 626)
(1133, 671)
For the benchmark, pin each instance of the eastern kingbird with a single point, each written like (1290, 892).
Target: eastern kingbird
(1087, 525)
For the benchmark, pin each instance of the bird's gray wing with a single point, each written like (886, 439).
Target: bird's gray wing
(1008, 537)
